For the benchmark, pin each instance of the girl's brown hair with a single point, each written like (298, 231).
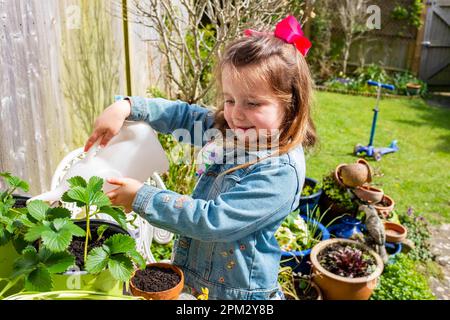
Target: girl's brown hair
(285, 70)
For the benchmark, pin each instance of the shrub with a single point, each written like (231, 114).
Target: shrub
(401, 281)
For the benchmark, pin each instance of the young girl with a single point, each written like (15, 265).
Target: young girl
(227, 226)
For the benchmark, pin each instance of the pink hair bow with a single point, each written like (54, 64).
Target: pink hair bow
(290, 31)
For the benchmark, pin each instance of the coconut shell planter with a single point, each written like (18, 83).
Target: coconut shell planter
(158, 281)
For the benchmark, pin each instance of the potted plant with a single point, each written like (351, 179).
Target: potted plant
(335, 200)
(98, 255)
(413, 89)
(158, 281)
(296, 287)
(309, 198)
(10, 229)
(385, 206)
(345, 269)
(296, 236)
(368, 194)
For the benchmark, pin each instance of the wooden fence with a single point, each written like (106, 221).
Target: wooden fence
(61, 62)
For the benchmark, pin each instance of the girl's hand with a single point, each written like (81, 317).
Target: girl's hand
(109, 123)
(125, 194)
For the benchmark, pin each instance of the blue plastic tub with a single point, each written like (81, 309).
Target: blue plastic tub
(298, 260)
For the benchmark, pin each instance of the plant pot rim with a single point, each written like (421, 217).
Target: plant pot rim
(379, 206)
(314, 285)
(92, 222)
(322, 245)
(369, 168)
(337, 178)
(314, 195)
(389, 225)
(160, 265)
(413, 85)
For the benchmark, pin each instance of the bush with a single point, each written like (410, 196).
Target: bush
(419, 233)
(401, 281)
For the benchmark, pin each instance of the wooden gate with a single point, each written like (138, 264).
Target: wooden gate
(435, 61)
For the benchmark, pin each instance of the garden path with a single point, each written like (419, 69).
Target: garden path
(440, 243)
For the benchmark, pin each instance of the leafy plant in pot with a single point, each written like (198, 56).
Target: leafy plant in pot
(296, 236)
(56, 244)
(309, 198)
(158, 281)
(345, 269)
(11, 240)
(335, 200)
(297, 287)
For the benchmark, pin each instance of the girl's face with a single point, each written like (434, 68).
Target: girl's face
(250, 109)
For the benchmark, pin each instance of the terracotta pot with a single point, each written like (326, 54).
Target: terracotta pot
(335, 287)
(385, 210)
(395, 232)
(314, 287)
(353, 175)
(170, 294)
(369, 194)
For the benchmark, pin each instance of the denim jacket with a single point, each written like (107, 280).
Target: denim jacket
(227, 225)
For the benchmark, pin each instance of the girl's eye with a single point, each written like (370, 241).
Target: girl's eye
(253, 104)
(229, 101)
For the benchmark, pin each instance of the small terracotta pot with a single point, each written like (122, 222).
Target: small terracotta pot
(369, 194)
(385, 210)
(353, 175)
(395, 232)
(335, 287)
(170, 294)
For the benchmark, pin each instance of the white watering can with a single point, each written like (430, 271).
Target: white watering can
(135, 152)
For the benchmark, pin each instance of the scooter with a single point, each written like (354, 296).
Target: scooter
(370, 150)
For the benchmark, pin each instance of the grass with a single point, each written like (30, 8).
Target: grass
(418, 175)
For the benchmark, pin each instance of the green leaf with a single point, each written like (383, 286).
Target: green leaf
(77, 181)
(97, 260)
(79, 194)
(38, 209)
(58, 212)
(95, 185)
(100, 199)
(120, 267)
(57, 262)
(5, 236)
(36, 232)
(120, 243)
(14, 181)
(56, 241)
(101, 230)
(39, 280)
(74, 229)
(26, 263)
(137, 258)
(117, 214)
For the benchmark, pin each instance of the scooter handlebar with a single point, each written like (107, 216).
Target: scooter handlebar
(379, 84)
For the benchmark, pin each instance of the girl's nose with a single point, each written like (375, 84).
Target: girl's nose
(238, 113)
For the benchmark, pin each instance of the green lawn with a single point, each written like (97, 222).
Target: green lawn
(418, 175)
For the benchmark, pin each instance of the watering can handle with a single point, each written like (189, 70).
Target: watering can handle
(379, 84)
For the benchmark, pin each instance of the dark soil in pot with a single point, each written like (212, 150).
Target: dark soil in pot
(356, 265)
(308, 293)
(21, 201)
(76, 248)
(155, 279)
